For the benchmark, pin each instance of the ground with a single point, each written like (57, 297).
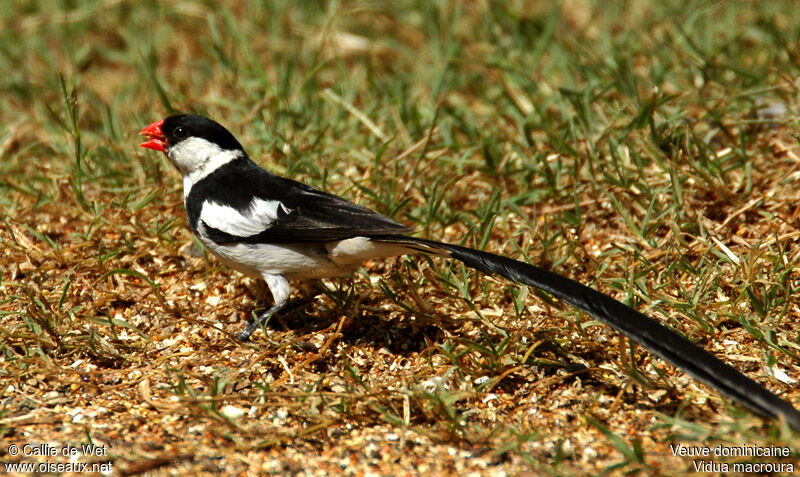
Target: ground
(647, 149)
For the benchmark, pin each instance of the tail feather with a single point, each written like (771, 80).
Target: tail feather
(647, 332)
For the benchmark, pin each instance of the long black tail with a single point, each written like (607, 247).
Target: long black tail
(652, 335)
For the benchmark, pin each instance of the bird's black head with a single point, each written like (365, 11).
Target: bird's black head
(197, 146)
(169, 132)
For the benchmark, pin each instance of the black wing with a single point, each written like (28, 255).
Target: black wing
(306, 214)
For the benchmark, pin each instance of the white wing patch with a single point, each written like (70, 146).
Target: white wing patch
(259, 216)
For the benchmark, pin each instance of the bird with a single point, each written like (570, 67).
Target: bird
(280, 230)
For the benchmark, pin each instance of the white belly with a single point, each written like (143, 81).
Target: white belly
(302, 261)
(293, 261)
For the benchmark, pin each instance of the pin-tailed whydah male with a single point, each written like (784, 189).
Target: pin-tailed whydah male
(280, 230)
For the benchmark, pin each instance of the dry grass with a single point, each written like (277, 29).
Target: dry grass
(648, 151)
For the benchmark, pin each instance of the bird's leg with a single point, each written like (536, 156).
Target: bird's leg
(244, 336)
(314, 289)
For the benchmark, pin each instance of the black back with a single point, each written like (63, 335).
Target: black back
(314, 215)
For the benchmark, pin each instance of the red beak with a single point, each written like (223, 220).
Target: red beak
(157, 140)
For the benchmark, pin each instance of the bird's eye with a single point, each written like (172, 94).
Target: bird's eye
(179, 133)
